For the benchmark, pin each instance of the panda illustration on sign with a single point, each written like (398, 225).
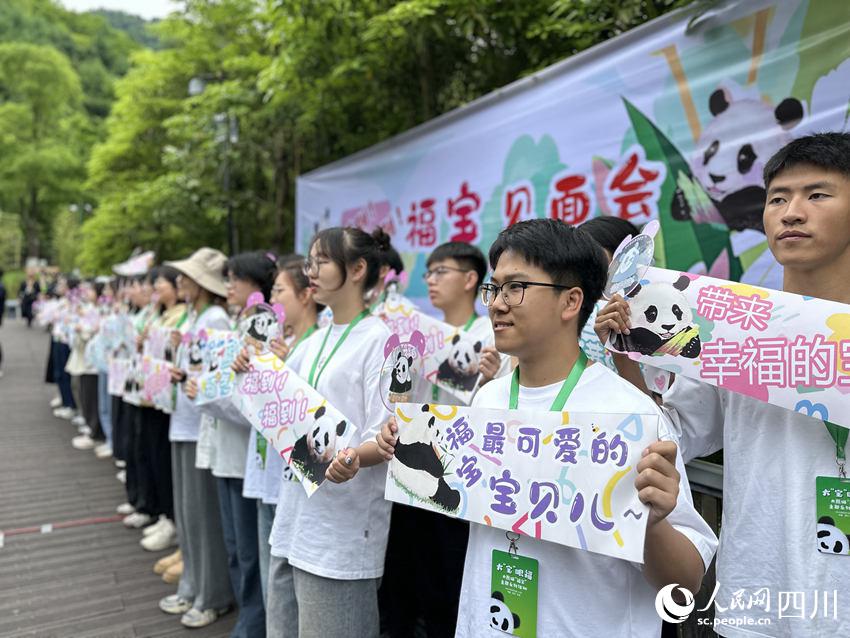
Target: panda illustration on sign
(501, 617)
(460, 368)
(831, 540)
(662, 321)
(314, 450)
(417, 464)
(402, 381)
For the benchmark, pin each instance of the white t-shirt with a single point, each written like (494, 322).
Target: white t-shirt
(341, 531)
(186, 418)
(771, 457)
(263, 464)
(579, 593)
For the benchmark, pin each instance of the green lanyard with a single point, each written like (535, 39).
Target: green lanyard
(303, 337)
(839, 435)
(313, 380)
(435, 391)
(566, 390)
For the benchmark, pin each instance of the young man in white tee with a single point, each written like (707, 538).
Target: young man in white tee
(546, 278)
(772, 579)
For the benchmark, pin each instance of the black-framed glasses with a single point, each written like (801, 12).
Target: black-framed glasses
(513, 292)
(439, 271)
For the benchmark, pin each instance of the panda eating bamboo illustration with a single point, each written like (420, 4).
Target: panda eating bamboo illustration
(417, 465)
(662, 321)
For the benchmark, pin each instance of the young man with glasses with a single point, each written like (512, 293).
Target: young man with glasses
(546, 278)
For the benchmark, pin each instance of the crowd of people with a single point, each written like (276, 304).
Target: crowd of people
(348, 562)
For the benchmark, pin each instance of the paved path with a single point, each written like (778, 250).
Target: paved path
(88, 580)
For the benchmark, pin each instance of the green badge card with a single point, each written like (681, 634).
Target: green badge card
(513, 597)
(833, 509)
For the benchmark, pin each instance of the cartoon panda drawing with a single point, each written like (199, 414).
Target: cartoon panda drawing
(662, 321)
(417, 465)
(401, 381)
(314, 451)
(734, 147)
(501, 617)
(460, 368)
(196, 354)
(831, 540)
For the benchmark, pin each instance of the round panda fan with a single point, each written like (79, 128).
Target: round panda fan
(259, 323)
(402, 364)
(630, 262)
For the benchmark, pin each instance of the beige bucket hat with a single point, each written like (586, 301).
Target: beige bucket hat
(205, 267)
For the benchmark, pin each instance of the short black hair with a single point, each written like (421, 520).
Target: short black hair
(259, 267)
(568, 254)
(466, 255)
(829, 151)
(345, 245)
(609, 231)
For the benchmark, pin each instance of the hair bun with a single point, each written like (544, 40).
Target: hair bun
(383, 239)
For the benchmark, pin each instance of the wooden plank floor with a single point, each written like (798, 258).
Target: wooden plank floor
(88, 581)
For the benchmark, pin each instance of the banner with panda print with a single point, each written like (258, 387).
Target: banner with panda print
(777, 347)
(564, 477)
(301, 425)
(671, 121)
(451, 356)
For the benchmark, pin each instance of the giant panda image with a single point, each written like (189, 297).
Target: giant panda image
(661, 321)
(831, 540)
(732, 150)
(416, 465)
(460, 368)
(401, 381)
(501, 617)
(314, 451)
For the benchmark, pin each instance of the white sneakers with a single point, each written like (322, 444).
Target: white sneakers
(137, 520)
(78, 420)
(120, 464)
(64, 413)
(56, 402)
(125, 509)
(159, 536)
(195, 618)
(103, 451)
(174, 605)
(82, 442)
(121, 475)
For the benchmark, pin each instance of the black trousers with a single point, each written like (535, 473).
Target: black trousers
(428, 587)
(88, 405)
(127, 433)
(151, 461)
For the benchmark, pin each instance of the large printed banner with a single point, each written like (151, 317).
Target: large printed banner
(451, 355)
(563, 477)
(672, 121)
(303, 427)
(777, 347)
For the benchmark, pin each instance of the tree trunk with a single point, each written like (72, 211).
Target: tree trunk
(31, 223)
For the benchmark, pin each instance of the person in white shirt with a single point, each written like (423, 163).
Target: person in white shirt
(546, 278)
(204, 592)
(263, 465)
(772, 456)
(328, 550)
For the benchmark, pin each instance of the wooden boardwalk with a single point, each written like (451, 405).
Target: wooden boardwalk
(90, 580)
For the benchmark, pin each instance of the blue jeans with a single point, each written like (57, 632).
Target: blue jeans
(265, 520)
(104, 406)
(239, 524)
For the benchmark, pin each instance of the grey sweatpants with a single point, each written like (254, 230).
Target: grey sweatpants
(303, 605)
(205, 580)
